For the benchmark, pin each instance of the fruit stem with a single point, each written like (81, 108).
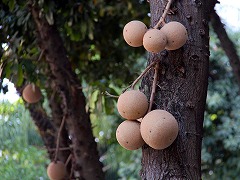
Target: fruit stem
(58, 138)
(154, 85)
(142, 74)
(162, 19)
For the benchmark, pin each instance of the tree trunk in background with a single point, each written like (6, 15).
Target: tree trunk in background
(46, 129)
(57, 114)
(227, 45)
(86, 164)
(181, 90)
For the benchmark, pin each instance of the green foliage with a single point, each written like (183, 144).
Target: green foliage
(85, 29)
(21, 150)
(119, 162)
(26, 163)
(221, 143)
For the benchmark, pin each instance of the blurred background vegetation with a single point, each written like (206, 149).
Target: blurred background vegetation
(93, 39)
(22, 154)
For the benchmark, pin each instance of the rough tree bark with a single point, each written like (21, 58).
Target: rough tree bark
(57, 114)
(181, 90)
(86, 162)
(46, 129)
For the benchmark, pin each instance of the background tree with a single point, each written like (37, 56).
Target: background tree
(42, 44)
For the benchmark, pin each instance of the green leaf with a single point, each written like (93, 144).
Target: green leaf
(49, 17)
(93, 99)
(10, 3)
(7, 70)
(20, 75)
(83, 29)
(109, 106)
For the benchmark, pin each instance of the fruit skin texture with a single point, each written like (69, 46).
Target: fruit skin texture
(56, 170)
(132, 104)
(31, 93)
(176, 35)
(128, 135)
(159, 129)
(133, 33)
(154, 40)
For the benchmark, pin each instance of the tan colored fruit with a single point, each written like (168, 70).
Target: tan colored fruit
(56, 170)
(132, 104)
(176, 35)
(154, 40)
(133, 33)
(128, 135)
(159, 129)
(31, 93)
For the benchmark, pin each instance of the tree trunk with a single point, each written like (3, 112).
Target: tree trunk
(181, 90)
(57, 114)
(86, 159)
(46, 129)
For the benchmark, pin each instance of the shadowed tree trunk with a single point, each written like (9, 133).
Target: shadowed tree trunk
(86, 164)
(181, 90)
(57, 114)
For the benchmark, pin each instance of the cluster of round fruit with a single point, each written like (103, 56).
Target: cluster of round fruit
(171, 36)
(31, 93)
(157, 128)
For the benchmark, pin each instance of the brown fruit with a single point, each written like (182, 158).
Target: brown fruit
(31, 93)
(159, 129)
(133, 33)
(176, 35)
(132, 104)
(154, 40)
(56, 170)
(128, 135)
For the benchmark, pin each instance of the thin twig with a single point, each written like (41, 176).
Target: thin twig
(110, 95)
(58, 138)
(142, 74)
(71, 173)
(124, 90)
(1, 69)
(68, 159)
(162, 19)
(154, 84)
(60, 149)
(41, 55)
